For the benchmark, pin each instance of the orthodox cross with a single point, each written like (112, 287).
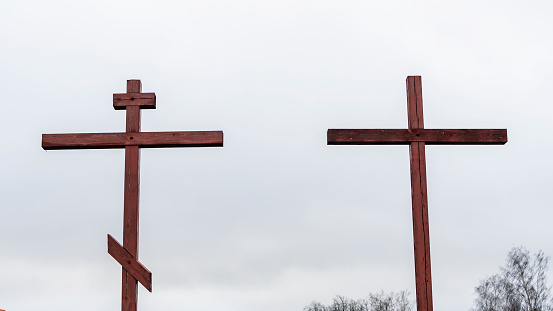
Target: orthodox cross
(132, 140)
(416, 136)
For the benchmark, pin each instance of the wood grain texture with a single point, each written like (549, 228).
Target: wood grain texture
(129, 297)
(132, 140)
(129, 263)
(142, 100)
(414, 102)
(406, 136)
(134, 86)
(131, 201)
(421, 231)
(419, 196)
(130, 223)
(417, 137)
(141, 139)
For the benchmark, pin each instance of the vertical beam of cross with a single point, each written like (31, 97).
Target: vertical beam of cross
(421, 234)
(132, 140)
(417, 137)
(131, 200)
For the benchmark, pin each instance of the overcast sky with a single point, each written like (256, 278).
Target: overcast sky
(275, 218)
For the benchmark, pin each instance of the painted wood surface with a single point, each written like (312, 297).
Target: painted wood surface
(416, 136)
(141, 139)
(132, 140)
(419, 198)
(129, 263)
(129, 295)
(406, 136)
(142, 100)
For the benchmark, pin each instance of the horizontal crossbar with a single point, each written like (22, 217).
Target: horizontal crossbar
(406, 136)
(143, 100)
(129, 263)
(142, 139)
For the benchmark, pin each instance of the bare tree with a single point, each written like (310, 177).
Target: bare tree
(528, 279)
(315, 306)
(390, 302)
(402, 301)
(375, 302)
(360, 305)
(495, 294)
(339, 303)
(520, 286)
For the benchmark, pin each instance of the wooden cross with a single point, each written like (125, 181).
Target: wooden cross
(132, 140)
(416, 136)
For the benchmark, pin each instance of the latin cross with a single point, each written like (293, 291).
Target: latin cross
(132, 140)
(416, 136)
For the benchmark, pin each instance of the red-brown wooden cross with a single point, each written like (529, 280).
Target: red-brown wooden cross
(132, 140)
(416, 136)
